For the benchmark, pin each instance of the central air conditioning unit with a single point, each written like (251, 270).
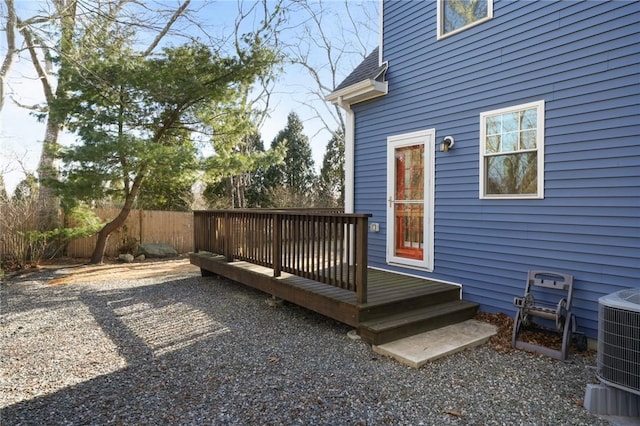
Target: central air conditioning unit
(618, 362)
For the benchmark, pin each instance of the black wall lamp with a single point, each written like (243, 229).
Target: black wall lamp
(447, 143)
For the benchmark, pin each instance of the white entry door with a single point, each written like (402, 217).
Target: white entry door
(410, 174)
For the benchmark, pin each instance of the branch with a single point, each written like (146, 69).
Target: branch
(338, 39)
(11, 47)
(39, 19)
(42, 74)
(166, 28)
(35, 107)
(362, 48)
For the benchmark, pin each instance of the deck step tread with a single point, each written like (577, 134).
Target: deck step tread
(415, 321)
(419, 314)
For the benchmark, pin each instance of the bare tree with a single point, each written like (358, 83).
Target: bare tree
(271, 17)
(330, 43)
(11, 52)
(63, 33)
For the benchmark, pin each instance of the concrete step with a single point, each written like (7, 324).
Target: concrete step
(417, 350)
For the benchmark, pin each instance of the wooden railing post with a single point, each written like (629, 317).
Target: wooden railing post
(361, 246)
(196, 228)
(277, 244)
(228, 237)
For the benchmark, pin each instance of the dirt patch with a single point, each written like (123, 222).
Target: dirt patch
(118, 271)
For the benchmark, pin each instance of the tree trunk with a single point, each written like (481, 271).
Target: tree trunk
(11, 47)
(105, 232)
(101, 246)
(48, 204)
(231, 192)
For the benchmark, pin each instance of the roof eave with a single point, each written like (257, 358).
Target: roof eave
(359, 92)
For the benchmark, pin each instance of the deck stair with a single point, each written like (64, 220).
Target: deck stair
(405, 323)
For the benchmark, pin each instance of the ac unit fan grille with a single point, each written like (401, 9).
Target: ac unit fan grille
(619, 347)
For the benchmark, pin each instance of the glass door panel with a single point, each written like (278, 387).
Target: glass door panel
(408, 203)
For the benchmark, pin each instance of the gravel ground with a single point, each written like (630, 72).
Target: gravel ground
(182, 349)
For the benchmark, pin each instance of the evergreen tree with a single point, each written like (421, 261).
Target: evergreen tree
(242, 189)
(135, 117)
(28, 188)
(237, 165)
(331, 180)
(255, 194)
(290, 184)
(62, 35)
(171, 194)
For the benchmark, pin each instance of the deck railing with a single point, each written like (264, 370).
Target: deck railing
(323, 245)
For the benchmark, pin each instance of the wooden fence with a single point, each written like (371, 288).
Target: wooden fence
(142, 226)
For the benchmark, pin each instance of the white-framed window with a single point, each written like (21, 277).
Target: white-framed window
(458, 15)
(512, 152)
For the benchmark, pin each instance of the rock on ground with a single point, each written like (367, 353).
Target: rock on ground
(160, 250)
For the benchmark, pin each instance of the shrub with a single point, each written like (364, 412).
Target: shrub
(22, 246)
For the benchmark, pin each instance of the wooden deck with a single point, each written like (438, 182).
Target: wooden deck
(396, 305)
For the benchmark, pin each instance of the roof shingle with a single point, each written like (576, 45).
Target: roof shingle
(368, 69)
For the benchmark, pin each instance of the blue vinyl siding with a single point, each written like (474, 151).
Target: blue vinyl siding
(583, 60)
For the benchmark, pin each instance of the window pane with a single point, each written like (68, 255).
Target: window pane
(409, 232)
(510, 122)
(509, 142)
(493, 144)
(409, 173)
(494, 125)
(512, 174)
(459, 13)
(529, 119)
(528, 139)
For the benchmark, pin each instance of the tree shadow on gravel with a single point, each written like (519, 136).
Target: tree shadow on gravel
(198, 350)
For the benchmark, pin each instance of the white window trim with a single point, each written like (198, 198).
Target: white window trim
(439, 20)
(540, 122)
(426, 137)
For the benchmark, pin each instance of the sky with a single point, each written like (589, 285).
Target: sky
(21, 134)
